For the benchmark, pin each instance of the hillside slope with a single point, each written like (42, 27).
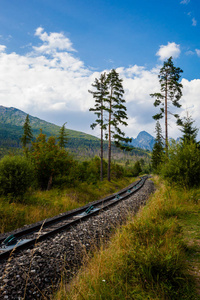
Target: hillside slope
(79, 143)
(12, 120)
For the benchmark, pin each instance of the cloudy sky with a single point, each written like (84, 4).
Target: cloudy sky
(52, 51)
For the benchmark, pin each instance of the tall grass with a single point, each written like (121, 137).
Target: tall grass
(146, 259)
(39, 205)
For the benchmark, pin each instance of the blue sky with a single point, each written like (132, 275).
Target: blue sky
(51, 52)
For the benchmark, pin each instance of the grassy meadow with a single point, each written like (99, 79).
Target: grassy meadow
(156, 255)
(39, 205)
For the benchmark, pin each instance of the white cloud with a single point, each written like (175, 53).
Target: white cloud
(197, 52)
(194, 22)
(190, 100)
(171, 49)
(53, 41)
(185, 1)
(37, 81)
(189, 52)
(55, 87)
(2, 48)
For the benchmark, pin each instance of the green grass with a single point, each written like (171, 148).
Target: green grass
(40, 205)
(154, 256)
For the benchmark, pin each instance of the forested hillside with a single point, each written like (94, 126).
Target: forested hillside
(12, 120)
(82, 145)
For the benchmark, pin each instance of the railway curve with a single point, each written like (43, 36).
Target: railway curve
(34, 272)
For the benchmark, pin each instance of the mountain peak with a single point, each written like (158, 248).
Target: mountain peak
(144, 134)
(144, 140)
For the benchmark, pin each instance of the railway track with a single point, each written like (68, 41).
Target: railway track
(30, 236)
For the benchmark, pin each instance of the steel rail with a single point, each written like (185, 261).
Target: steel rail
(79, 214)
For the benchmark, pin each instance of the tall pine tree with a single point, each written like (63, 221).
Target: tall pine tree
(63, 137)
(189, 131)
(27, 135)
(170, 91)
(100, 95)
(116, 114)
(158, 149)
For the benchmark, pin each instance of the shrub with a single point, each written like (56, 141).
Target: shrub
(89, 171)
(16, 175)
(134, 170)
(117, 171)
(50, 161)
(183, 165)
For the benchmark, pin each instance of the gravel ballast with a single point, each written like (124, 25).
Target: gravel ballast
(35, 273)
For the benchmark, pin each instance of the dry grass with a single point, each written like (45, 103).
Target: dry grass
(39, 205)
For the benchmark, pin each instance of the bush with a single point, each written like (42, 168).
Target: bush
(183, 165)
(16, 175)
(50, 161)
(117, 171)
(88, 171)
(135, 170)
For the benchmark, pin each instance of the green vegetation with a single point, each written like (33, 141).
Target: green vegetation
(158, 149)
(188, 130)
(38, 205)
(153, 256)
(50, 160)
(47, 165)
(180, 164)
(16, 175)
(183, 165)
(63, 137)
(27, 135)
(137, 169)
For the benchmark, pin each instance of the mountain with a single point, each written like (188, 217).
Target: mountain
(11, 130)
(82, 145)
(144, 141)
(11, 117)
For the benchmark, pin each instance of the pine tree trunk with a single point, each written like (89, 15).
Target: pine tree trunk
(50, 182)
(109, 139)
(109, 154)
(166, 121)
(101, 170)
